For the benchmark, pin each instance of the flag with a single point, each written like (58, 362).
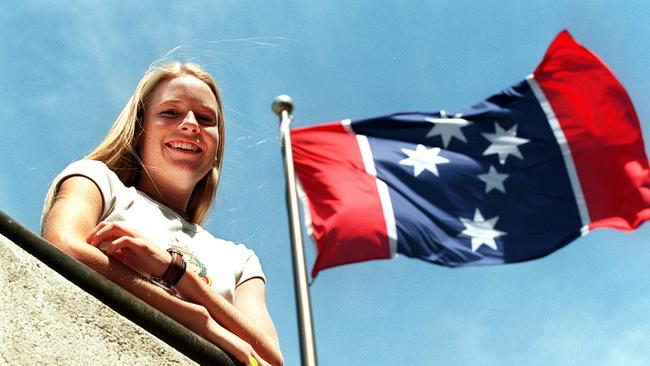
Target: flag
(514, 177)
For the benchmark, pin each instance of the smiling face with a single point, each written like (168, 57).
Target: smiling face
(180, 136)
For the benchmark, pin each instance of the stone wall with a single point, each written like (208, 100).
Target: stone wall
(47, 320)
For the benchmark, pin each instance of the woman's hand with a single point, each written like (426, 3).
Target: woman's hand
(130, 247)
(233, 345)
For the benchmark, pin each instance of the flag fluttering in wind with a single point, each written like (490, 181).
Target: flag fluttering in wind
(513, 178)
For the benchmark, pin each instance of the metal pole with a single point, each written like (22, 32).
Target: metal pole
(282, 106)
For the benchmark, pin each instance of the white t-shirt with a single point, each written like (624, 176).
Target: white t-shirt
(222, 264)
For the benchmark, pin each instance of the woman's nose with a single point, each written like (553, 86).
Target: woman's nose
(189, 123)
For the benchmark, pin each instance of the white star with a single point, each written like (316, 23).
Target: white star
(423, 158)
(504, 143)
(448, 128)
(481, 231)
(493, 180)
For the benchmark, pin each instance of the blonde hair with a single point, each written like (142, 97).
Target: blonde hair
(119, 148)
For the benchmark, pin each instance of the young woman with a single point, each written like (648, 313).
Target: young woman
(132, 212)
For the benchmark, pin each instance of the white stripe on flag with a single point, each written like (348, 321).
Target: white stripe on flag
(305, 205)
(566, 152)
(389, 216)
(382, 188)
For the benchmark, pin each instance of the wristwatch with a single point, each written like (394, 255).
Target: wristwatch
(173, 273)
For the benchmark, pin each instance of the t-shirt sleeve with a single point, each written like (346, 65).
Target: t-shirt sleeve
(106, 181)
(250, 268)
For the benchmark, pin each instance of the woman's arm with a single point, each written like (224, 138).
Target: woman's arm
(247, 317)
(75, 213)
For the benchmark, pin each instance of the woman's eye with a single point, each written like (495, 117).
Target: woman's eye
(169, 113)
(206, 120)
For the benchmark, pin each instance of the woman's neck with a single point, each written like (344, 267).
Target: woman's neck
(172, 197)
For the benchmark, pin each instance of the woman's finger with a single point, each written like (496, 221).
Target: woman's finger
(121, 249)
(102, 236)
(107, 232)
(119, 244)
(94, 231)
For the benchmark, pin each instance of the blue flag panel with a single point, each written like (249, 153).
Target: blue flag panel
(486, 185)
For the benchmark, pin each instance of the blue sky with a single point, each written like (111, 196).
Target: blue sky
(67, 69)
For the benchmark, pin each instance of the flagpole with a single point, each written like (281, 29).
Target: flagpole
(282, 107)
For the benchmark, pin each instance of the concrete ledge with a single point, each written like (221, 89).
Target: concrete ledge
(47, 320)
(52, 307)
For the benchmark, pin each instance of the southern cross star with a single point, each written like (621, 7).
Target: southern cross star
(481, 231)
(422, 158)
(493, 180)
(504, 143)
(447, 128)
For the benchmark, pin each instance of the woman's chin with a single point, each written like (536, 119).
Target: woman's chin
(191, 169)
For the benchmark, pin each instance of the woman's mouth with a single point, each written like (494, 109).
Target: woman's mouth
(183, 146)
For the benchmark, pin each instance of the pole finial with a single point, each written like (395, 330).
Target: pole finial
(282, 103)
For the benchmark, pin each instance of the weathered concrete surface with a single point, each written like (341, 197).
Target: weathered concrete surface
(47, 320)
